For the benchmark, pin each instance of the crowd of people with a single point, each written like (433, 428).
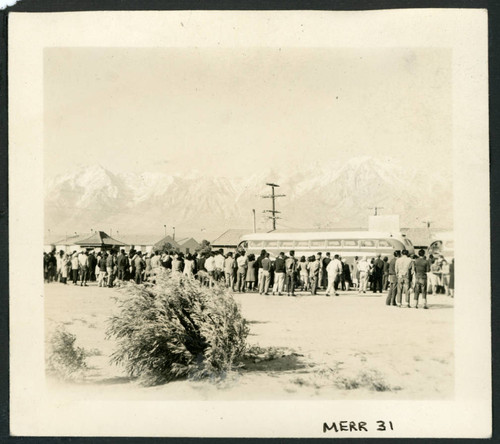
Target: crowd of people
(242, 272)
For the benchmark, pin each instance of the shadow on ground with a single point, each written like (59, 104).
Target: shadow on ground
(271, 359)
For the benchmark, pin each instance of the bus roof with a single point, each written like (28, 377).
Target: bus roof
(322, 235)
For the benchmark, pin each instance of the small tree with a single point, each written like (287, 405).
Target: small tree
(177, 328)
(204, 247)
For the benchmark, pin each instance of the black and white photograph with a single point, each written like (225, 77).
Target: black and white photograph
(252, 206)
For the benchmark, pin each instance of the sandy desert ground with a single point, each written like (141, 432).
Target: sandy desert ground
(346, 347)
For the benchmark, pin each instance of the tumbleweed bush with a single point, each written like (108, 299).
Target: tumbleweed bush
(64, 359)
(177, 328)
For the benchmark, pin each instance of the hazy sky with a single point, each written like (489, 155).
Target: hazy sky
(233, 111)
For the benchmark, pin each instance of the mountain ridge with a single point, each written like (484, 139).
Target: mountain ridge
(328, 195)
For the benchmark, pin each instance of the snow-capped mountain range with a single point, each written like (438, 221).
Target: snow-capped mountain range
(328, 195)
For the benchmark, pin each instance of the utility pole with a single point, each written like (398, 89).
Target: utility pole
(273, 196)
(254, 227)
(173, 238)
(376, 209)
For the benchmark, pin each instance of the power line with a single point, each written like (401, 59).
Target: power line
(273, 197)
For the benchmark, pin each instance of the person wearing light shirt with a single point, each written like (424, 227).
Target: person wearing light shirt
(333, 270)
(403, 265)
(219, 265)
(241, 272)
(363, 268)
(210, 267)
(228, 270)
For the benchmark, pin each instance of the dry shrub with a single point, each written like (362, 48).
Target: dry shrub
(64, 359)
(177, 328)
(369, 378)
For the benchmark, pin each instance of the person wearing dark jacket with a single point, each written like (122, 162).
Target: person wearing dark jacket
(378, 274)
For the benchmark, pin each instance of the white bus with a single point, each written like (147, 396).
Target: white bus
(347, 244)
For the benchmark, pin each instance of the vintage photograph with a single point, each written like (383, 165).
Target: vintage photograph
(306, 193)
(256, 218)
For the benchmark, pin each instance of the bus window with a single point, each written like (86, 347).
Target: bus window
(383, 244)
(367, 243)
(350, 243)
(271, 243)
(333, 243)
(317, 243)
(286, 244)
(301, 243)
(255, 243)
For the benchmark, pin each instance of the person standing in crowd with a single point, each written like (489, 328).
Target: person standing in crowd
(59, 259)
(326, 261)
(319, 258)
(412, 274)
(219, 265)
(176, 264)
(45, 267)
(291, 268)
(346, 274)
(64, 267)
(210, 267)
(188, 266)
(392, 279)
(74, 267)
(304, 274)
(422, 267)
(110, 268)
(147, 267)
(250, 277)
(445, 275)
(122, 265)
(228, 271)
(83, 262)
(139, 267)
(452, 277)
(363, 268)
(355, 273)
(279, 273)
(314, 268)
(200, 263)
(385, 278)
(342, 278)
(101, 263)
(92, 264)
(155, 265)
(195, 263)
(265, 276)
(377, 274)
(52, 267)
(334, 271)
(435, 275)
(241, 272)
(131, 258)
(403, 265)
(258, 266)
(166, 260)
